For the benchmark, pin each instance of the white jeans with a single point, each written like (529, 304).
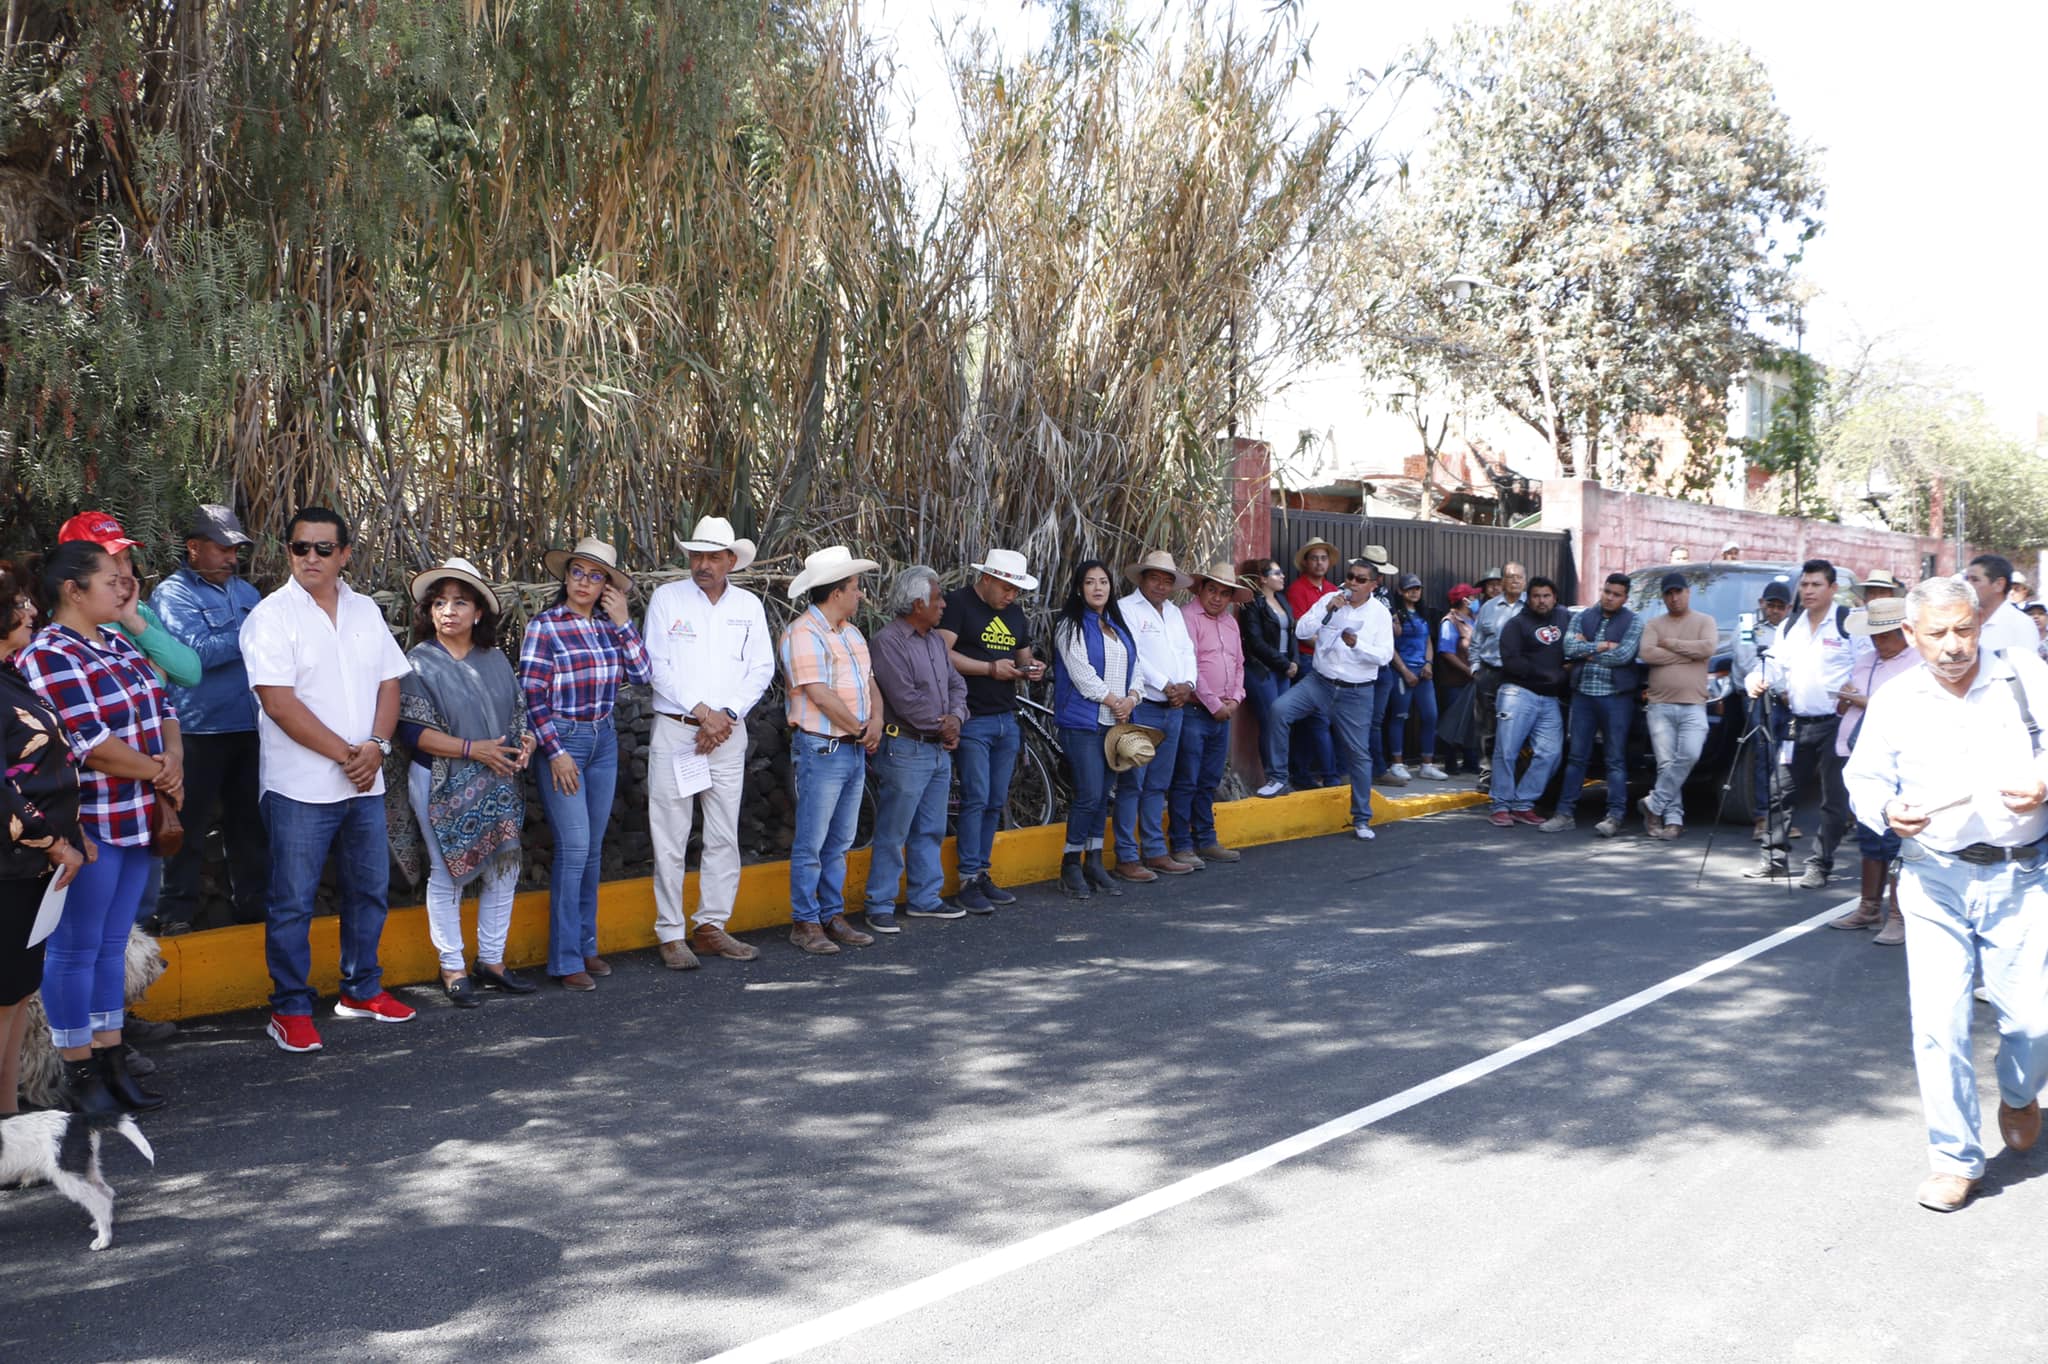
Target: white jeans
(670, 817)
(495, 889)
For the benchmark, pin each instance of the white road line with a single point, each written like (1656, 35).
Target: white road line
(845, 1321)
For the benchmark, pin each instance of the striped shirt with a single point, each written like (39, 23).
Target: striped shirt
(571, 667)
(813, 652)
(102, 691)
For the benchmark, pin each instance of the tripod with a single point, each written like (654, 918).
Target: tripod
(1764, 724)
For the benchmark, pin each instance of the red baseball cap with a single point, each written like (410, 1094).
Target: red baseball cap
(98, 527)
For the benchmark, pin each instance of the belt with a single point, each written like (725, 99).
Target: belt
(679, 719)
(1347, 686)
(901, 731)
(1990, 854)
(830, 738)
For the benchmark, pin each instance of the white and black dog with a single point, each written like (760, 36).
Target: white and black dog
(64, 1148)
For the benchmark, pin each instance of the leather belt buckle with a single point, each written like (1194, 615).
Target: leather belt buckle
(1991, 855)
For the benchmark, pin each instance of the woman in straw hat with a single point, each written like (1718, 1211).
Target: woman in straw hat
(574, 656)
(1095, 689)
(462, 716)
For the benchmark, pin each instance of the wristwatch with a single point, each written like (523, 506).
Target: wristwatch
(731, 714)
(383, 745)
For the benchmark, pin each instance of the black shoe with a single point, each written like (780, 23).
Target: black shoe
(113, 1064)
(509, 981)
(142, 1032)
(1097, 874)
(137, 1063)
(85, 1089)
(1074, 881)
(462, 993)
(995, 893)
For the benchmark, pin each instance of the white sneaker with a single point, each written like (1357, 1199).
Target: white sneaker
(1272, 788)
(1557, 824)
(1397, 770)
(1364, 831)
(1607, 828)
(1431, 772)
(1983, 995)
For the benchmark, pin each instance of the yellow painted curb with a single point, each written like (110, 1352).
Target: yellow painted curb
(223, 969)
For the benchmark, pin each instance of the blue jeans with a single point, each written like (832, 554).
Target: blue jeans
(579, 822)
(1155, 779)
(1262, 691)
(1382, 699)
(1204, 748)
(1525, 718)
(830, 774)
(1677, 733)
(986, 758)
(85, 963)
(1958, 917)
(1607, 718)
(1421, 699)
(302, 835)
(1093, 782)
(1329, 705)
(910, 823)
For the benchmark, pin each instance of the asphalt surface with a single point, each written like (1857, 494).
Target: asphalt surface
(683, 1163)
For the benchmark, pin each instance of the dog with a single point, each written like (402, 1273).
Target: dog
(64, 1148)
(42, 1072)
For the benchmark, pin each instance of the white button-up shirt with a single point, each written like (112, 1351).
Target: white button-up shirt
(335, 667)
(1807, 662)
(2009, 628)
(718, 654)
(1166, 652)
(1922, 745)
(1370, 624)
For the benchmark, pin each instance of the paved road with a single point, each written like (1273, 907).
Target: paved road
(681, 1164)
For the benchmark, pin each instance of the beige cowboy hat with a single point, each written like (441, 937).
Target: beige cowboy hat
(714, 533)
(591, 550)
(1883, 615)
(1225, 575)
(1128, 745)
(1376, 553)
(1314, 542)
(464, 572)
(1008, 565)
(1880, 577)
(832, 564)
(1157, 561)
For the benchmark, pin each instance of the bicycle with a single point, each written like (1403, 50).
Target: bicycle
(1040, 784)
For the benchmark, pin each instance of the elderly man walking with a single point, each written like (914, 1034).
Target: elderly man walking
(1205, 723)
(1676, 647)
(1166, 680)
(1949, 757)
(924, 706)
(985, 629)
(711, 658)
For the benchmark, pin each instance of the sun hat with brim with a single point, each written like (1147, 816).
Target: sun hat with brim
(715, 533)
(1158, 561)
(1384, 569)
(592, 551)
(832, 564)
(1009, 566)
(1128, 745)
(1314, 542)
(1885, 614)
(1223, 576)
(1376, 553)
(98, 527)
(464, 572)
(1882, 578)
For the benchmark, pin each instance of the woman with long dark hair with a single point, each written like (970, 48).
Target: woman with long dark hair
(1414, 683)
(1270, 658)
(1094, 688)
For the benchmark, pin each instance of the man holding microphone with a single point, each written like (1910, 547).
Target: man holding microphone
(1949, 756)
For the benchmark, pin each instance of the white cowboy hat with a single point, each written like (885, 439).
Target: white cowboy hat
(832, 564)
(1158, 561)
(464, 572)
(1376, 553)
(1880, 577)
(1224, 575)
(591, 550)
(1008, 565)
(714, 533)
(1128, 745)
(1883, 615)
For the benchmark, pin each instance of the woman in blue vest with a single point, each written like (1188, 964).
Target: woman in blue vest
(1094, 689)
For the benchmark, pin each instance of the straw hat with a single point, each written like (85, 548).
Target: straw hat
(1314, 542)
(832, 564)
(464, 572)
(1376, 553)
(1160, 561)
(591, 550)
(1008, 565)
(1128, 745)
(1223, 574)
(1880, 577)
(714, 533)
(1884, 614)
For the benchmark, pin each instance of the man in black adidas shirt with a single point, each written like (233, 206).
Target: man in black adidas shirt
(985, 629)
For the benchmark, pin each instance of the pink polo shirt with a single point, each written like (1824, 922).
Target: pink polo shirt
(1219, 656)
(1870, 673)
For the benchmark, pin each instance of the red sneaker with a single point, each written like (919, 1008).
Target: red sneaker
(1501, 819)
(380, 1006)
(1527, 817)
(293, 1032)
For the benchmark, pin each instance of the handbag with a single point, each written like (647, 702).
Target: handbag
(166, 832)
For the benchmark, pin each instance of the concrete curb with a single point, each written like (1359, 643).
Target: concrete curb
(222, 969)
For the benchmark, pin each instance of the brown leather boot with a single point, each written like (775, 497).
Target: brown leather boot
(1869, 910)
(839, 930)
(811, 938)
(711, 940)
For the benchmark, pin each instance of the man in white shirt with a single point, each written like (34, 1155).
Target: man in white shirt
(2003, 625)
(325, 671)
(1166, 681)
(1950, 758)
(1807, 663)
(712, 658)
(1354, 639)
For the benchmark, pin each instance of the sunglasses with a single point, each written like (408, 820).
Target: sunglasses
(326, 549)
(1355, 578)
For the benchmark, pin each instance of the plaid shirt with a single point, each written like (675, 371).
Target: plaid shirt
(1596, 670)
(812, 651)
(100, 692)
(570, 667)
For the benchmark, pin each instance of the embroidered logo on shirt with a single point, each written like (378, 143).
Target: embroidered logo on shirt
(1548, 634)
(996, 636)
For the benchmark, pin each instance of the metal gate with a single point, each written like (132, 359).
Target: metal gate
(1442, 555)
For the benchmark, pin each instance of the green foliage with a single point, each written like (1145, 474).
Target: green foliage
(1791, 448)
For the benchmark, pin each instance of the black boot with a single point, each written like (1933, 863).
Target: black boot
(86, 1092)
(113, 1064)
(1098, 875)
(1073, 881)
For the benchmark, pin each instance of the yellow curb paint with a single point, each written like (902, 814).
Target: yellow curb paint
(222, 969)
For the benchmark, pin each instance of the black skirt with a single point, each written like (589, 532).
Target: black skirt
(21, 966)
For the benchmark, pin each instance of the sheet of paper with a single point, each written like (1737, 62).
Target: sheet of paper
(692, 769)
(51, 910)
